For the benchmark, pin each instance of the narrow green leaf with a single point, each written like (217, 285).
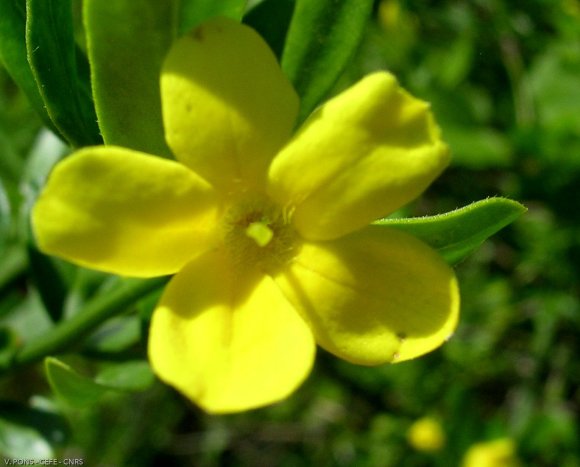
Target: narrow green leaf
(127, 41)
(48, 281)
(14, 57)
(457, 233)
(127, 376)
(271, 19)
(193, 12)
(30, 433)
(55, 62)
(322, 38)
(79, 391)
(71, 387)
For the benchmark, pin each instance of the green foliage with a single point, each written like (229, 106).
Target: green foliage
(317, 49)
(502, 80)
(127, 41)
(71, 387)
(106, 305)
(457, 233)
(271, 19)
(60, 70)
(80, 391)
(14, 55)
(193, 12)
(127, 376)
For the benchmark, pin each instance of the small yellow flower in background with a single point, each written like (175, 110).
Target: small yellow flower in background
(498, 453)
(267, 233)
(426, 434)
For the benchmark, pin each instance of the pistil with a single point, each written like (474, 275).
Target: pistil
(260, 233)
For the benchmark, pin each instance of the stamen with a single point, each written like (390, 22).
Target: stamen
(260, 233)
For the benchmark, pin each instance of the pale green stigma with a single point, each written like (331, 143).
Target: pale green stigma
(260, 233)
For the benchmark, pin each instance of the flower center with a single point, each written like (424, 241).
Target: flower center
(260, 232)
(256, 232)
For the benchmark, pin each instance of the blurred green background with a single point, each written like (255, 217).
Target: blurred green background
(504, 82)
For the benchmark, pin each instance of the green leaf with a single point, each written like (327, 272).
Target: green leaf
(271, 19)
(193, 12)
(457, 233)
(14, 57)
(30, 433)
(127, 41)
(80, 391)
(71, 387)
(127, 376)
(322, 38)
(57, 66)
(48, 281)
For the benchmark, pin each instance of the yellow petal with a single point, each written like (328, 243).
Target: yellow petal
(361, 156)
(228, 339)
(124, 212)
(374, 296)
(227, 107)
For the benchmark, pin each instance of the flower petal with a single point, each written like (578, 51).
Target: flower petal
(233, 343)
(375, 296)
(361, 156)
(227, 107)
(124, 212)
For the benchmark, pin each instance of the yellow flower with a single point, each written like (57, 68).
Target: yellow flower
(269, 234)
(498, 453)
(426, 434)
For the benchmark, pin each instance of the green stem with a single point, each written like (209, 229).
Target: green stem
(70, 331)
